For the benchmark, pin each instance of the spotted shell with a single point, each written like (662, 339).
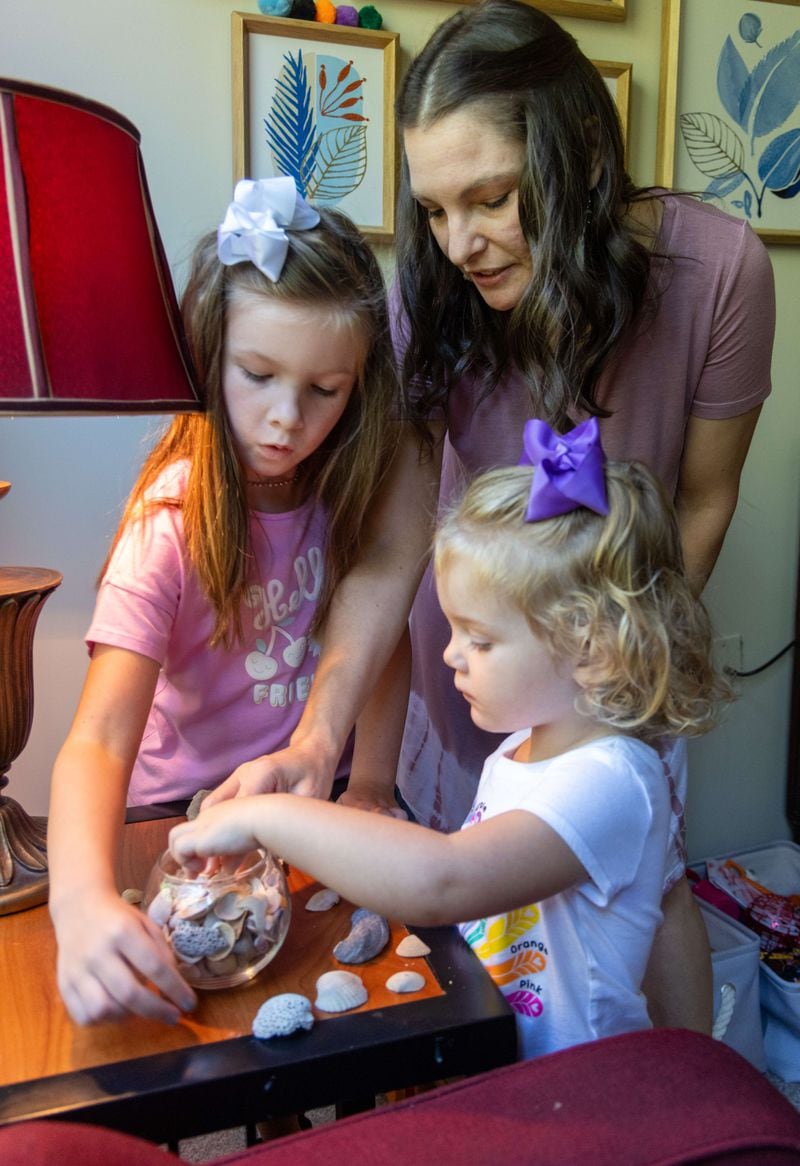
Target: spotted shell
(322, 900)
(192, 940)
(282, 1015)
(339, 991)
(411, 946)
(368, 935)
(405, 982)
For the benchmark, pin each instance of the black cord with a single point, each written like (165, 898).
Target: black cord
(761, 667)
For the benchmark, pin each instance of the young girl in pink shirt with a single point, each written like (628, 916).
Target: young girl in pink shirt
(243, 519)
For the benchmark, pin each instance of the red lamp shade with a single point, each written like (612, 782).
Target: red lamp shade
(88, 316)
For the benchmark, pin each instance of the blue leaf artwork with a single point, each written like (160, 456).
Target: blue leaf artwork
(316, 129)
(742, 150)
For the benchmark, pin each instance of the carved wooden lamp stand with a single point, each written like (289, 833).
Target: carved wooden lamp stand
(23, 839)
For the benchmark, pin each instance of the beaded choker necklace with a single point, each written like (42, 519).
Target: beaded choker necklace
(272, 482)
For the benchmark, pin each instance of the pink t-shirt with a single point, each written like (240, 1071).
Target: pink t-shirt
(213, 709)
(705, 352)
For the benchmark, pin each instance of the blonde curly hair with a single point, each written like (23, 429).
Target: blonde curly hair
(609, 592)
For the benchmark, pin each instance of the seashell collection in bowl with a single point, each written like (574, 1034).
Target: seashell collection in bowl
(225, 927)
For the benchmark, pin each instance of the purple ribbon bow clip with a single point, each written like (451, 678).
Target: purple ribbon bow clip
(569, 469)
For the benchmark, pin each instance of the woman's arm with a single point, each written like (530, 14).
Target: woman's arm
(398, 869)
(105, 946)
(368, 614)
(708, 487)
(379, 735)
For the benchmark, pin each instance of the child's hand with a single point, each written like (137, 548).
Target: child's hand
(217, 830)
(294, 770)
(106, 949)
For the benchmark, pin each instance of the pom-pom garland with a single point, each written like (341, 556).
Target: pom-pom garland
(347, 14)
(324, 12)
(369, 17)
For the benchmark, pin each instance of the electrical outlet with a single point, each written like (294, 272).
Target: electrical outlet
(728, 653)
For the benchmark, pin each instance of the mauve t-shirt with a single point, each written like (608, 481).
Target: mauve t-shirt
(705, 351)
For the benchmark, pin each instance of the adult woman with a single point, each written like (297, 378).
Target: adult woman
(535, 279)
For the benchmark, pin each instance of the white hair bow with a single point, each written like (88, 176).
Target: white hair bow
(253, 228)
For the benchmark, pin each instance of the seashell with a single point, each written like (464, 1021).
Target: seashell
(256, 905)
(368, 935)
(229, 907)
(193, 900)
(405, 982)
(132, 895)
(224, 965)
(192, 940)
(193, 809)
(322, 900)
(339, 991)
(226, 940)
(412, 946)
(244, 949)
(283, 1015)
(274, 898)
(160, 908)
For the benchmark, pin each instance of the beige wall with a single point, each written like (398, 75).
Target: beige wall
(165, 65)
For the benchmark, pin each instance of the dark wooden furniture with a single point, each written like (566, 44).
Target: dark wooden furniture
(208, 1073)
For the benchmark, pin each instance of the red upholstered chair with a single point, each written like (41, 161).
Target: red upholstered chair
(666, 1097)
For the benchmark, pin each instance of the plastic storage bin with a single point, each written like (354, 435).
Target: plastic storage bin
(735, 966)
(776, 865)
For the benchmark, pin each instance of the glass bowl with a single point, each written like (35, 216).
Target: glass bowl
(223, 928)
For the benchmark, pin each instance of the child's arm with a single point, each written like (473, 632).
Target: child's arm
(368, 615)
(396, 868)
(105, 946)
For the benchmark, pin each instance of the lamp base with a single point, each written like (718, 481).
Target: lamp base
(23, 841)
(23, 858)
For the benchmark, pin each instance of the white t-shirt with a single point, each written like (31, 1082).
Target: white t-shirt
(571, 966)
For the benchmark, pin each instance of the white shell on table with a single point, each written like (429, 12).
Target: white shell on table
(412, 946)
(405, 982)
(322, 900)
(282, 1015)
(339, 991)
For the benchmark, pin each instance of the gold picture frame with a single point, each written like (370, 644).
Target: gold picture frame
(618, 75)
(584, 9)
(332, 131)
(723, 130)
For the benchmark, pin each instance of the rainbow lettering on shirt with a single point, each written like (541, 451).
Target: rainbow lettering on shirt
(510, 935)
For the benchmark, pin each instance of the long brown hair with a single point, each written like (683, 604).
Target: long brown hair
(330, 266)
(520, 71)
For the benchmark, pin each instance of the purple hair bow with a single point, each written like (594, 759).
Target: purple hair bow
(569, 469)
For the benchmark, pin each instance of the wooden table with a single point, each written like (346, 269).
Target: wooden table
(209, 1072)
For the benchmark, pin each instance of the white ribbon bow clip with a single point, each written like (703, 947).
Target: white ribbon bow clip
(253, 228)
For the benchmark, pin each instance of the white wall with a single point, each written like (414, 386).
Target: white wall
(165, 64)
